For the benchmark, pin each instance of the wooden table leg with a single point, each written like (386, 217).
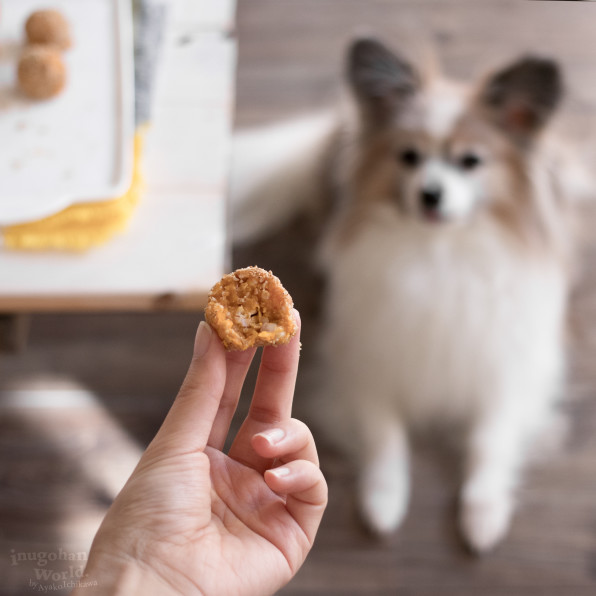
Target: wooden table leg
(14, 331)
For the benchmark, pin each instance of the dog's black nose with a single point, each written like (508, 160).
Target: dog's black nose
(431, 197)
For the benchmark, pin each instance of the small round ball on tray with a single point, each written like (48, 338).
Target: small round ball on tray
(41, 72)
(250, 307)
(48, 27)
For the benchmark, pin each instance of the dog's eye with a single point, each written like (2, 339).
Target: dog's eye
(410, 157)
(469, 161)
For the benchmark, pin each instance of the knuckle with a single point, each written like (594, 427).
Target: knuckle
(273, 362)
(264, 415)
(300, 429)
(240, 358)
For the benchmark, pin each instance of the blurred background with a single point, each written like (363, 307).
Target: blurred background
(82, 393)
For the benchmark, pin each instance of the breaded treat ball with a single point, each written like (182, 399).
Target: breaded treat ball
(41, 72)
(48, 27)
(250, 307)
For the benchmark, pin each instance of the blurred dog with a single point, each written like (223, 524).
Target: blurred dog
(447, 257)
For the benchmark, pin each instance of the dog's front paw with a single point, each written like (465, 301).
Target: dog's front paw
(484, 521)
(383, 502)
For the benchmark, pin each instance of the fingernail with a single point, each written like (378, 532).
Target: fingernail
(281, 472)
(202, 339)
(273, 435)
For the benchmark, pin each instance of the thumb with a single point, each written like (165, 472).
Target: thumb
(188, 423)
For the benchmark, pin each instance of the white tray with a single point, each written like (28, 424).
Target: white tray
(78, 146)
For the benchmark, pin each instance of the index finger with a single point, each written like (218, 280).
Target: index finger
(274, 390)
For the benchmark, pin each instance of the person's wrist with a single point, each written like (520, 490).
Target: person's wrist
(108, 574)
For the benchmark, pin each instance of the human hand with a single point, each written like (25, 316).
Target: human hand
(193, 520)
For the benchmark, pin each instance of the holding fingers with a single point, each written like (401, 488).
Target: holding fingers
(193, 520)
(271, 403)
(286, 441)
(297, 475)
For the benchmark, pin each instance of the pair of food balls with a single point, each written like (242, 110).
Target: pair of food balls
(41, 71)
(250, 307)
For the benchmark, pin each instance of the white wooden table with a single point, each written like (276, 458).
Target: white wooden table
(175, 247)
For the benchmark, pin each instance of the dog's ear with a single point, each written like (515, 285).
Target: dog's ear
(380, 79)
(521, 98)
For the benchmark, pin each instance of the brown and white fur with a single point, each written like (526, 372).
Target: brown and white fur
(447, 258)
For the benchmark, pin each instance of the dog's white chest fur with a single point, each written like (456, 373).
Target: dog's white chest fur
(451, 320)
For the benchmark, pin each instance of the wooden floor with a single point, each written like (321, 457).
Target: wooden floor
(89, 392)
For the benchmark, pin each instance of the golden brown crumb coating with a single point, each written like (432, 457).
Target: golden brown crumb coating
(41, 72)
(48, 27)
(250, 307)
